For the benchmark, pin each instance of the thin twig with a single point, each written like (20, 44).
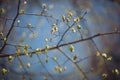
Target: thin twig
(45, 67)
(81, 71)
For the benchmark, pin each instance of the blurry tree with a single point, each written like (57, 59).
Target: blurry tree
(59, 40)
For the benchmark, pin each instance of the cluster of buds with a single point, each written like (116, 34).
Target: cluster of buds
(70, 14)
(67, 19)
(77, 19)
(4, 71)
(26, 49)
(22, 11)
(59, 69)
(115, 71)
(73, 30)
(54, 29)
(104, 55)
(38, 50)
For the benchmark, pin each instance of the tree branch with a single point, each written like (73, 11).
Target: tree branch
(65, 44)
(11, 27)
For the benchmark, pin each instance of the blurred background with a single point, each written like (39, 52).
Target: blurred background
(35, 30)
